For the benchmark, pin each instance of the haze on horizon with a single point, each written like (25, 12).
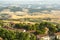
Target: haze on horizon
(29, 1)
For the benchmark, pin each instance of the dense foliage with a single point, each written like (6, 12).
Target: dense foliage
(38, 28)
(11, 35)
(52, 27)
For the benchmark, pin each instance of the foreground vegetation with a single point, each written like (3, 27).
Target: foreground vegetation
(10, 35)
(7, 33)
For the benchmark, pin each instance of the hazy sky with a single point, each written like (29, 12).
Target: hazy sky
(29, 1)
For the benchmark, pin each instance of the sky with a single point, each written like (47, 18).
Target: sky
(30, 1)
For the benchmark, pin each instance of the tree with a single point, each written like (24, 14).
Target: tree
(33, 37)
(19, 26)
(40, 31)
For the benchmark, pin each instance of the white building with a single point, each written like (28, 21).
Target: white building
(45, 37)
(58, 35)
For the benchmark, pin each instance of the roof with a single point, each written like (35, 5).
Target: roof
(1, 38)
(31, 31)
(42, 35)
(58, 33)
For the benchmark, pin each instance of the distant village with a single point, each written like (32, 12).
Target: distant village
(25, 13)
